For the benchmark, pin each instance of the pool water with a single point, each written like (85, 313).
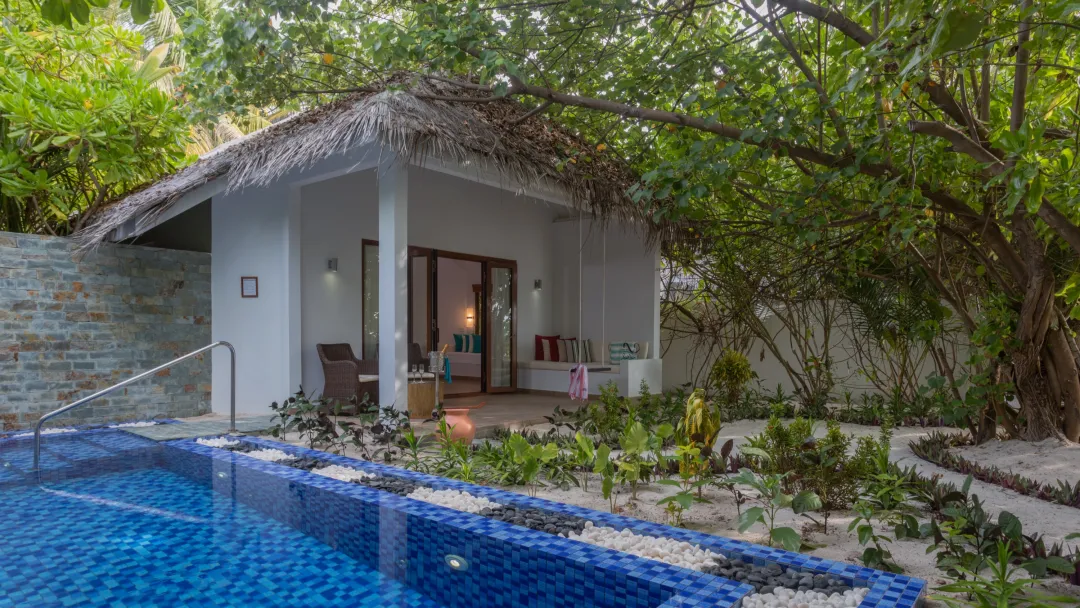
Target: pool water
(113, 519)
(151, 537)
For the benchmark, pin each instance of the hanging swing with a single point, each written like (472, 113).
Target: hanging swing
(579, 374)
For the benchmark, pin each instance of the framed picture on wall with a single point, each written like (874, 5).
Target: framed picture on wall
(249, 287)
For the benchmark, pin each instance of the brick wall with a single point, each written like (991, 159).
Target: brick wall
(71, 325)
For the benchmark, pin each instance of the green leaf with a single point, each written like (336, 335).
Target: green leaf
(750, 517)
(1035, 193)
(1010, 525)
(805, 502)
(585, 444)
(685, 500)
(603, 458)
(866, 534)
(1060, 564)
(964, 28)
(635, 439)
(56, 11)
(141, 10)
(756, 452)
(80, 10)
(788, 538)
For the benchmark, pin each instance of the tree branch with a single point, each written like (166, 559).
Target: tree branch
(533, 112)
(959, 140)
(1020, 80)
(831, 16)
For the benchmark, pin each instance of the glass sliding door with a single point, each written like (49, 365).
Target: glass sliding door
(371, 300)
(421, 297)
(501, 327)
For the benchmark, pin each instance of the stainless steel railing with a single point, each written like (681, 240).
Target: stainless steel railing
(136, 378)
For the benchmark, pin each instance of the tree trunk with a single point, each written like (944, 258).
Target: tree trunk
(1037, 407)
(1057, 347)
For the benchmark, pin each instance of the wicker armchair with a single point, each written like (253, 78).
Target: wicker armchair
(342, 371)
(416, 356)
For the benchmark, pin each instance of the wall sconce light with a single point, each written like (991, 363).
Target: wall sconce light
(331, 264)
(468, 317)
(538, 284)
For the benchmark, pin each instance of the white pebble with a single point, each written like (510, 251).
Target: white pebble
(47, 432)
(217, 442)
(342, 473)
(267, 455)
(461, 501)
(133, 425)
(668, 550)
(786, 598)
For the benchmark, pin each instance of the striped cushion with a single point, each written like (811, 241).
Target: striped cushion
(550, 349)
(568, 350)
(540, 341)
(583, 348)
(623, 351)
(469, 343)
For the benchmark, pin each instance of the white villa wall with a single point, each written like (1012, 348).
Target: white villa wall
(685, 364)
(463, 216)
(250, 236)
(334, 223)
(631, 310)
(445, 212)
(456, 278)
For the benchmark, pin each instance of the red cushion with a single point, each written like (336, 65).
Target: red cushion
(553, 347)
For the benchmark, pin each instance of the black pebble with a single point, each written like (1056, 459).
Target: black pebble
(767, 578)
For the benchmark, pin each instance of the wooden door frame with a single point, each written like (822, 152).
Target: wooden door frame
(434, 255)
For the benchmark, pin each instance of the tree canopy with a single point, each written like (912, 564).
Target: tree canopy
(837, 149)
(871, 137)
(81, 119)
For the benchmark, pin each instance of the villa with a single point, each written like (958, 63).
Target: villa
(344, 224)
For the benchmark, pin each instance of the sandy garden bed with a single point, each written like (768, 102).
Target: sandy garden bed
(719, 516)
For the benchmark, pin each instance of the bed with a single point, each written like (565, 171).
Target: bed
(465, 365)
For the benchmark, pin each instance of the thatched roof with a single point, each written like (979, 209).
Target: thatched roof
(415, 117)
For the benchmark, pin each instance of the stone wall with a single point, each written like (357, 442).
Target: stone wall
(71, 325)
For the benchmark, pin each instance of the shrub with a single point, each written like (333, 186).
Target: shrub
(823, 466)
(730, 374)
(702, 423)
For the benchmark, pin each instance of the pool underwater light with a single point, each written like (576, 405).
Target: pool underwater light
(457, 562)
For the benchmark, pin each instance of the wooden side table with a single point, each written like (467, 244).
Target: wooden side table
(422, 398)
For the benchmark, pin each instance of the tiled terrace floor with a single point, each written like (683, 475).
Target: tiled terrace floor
(511, 411)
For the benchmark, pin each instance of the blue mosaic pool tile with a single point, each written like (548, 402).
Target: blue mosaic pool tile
(887, 590)
(81, 427)
(72, 455)
(153, 538)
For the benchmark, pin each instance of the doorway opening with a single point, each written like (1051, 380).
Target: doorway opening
(459, 329)
(462, 304)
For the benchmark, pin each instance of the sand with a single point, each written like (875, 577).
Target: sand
(1046, 461)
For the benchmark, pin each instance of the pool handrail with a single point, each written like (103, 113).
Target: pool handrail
(136, 378)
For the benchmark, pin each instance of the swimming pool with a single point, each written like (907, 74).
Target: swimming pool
(124, 521)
